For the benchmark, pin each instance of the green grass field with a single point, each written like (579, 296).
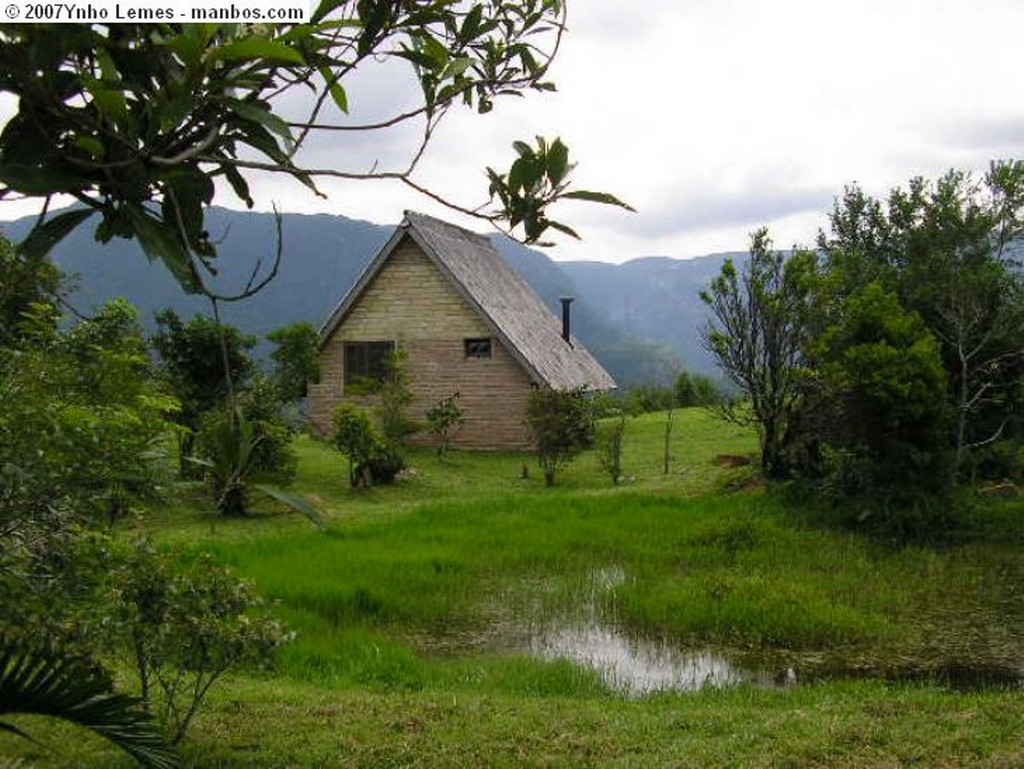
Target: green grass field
(411, 607)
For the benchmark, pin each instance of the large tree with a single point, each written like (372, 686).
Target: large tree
(947, 250)
(137, 122)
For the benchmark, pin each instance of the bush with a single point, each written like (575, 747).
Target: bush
(643, 399)
(186, 627)
(371, 459)
(382, 465)
(610, 438)
(443, 419)
(561, 426)
(393, 398)
(262, 403)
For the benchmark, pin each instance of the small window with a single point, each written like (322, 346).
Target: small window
(478, 348)
(366, 362)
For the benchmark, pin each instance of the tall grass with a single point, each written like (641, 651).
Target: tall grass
(710, 570)
(457, 559)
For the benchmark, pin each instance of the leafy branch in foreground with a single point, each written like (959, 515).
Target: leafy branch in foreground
(137, 122)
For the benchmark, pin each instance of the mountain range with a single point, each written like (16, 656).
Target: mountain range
(641, 319)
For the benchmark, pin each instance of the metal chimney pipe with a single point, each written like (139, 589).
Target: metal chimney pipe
(566, 301)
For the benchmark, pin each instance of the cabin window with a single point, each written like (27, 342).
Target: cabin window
(366, 362)
(477, 348)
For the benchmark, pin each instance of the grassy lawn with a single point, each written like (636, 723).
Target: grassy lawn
(411, 605)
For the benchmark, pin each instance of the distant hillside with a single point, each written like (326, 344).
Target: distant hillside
(654, 298)
(634, 319)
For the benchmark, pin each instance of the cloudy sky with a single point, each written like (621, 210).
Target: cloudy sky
(714, 117)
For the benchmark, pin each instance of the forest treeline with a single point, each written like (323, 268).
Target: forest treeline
(886, 365)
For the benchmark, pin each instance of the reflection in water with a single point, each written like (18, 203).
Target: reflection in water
(631, 665)
(635, 666)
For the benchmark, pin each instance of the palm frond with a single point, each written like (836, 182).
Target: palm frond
(33, 681)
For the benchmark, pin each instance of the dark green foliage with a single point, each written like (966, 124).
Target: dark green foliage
(192, 363)
(228, 443)
(758, 333)
(646, 398)
(381, 466)
(231, 445)
(33, 681)
(688, 389)
(262, 405)
(537, 178)
(296, 359)
(945, 249)
(354, 436)
(443, 418)
(882, 363)
(692, 389)
(889, 417)
(561, 425)
(27, 281)
(79, 419)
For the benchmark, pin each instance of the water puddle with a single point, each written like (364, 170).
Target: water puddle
(629, 664)
(574, 619)
(637, 667)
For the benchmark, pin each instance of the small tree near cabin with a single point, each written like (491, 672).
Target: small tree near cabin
(443, 419)
(560, 424)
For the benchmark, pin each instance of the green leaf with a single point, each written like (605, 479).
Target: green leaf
(456, 67)
(39, 180)
(33, 681)
(524, 149)
(256, 50)
(160, 241)
(110, 102)
(92, 145)
(436, 50)
(558, 162)
(295, 502)
(324, 8)
(336, 89)
(251, 112)
(471, 26)
(45, 236)
(238, 184)
(564, 228)
(597, 197)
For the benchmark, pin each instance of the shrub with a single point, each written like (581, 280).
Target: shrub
(371, 459)
(561, 426)
(262, 403)
(186, 627)
(443, 419)
(381, 466)
(610, 438)
(394, 396)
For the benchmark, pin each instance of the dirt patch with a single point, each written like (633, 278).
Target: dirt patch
(733, 460)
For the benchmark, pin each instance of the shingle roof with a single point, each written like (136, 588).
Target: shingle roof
(515, 314)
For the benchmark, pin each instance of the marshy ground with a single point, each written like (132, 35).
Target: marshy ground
(469, 617)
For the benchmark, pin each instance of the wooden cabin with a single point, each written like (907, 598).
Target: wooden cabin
(467, 323)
